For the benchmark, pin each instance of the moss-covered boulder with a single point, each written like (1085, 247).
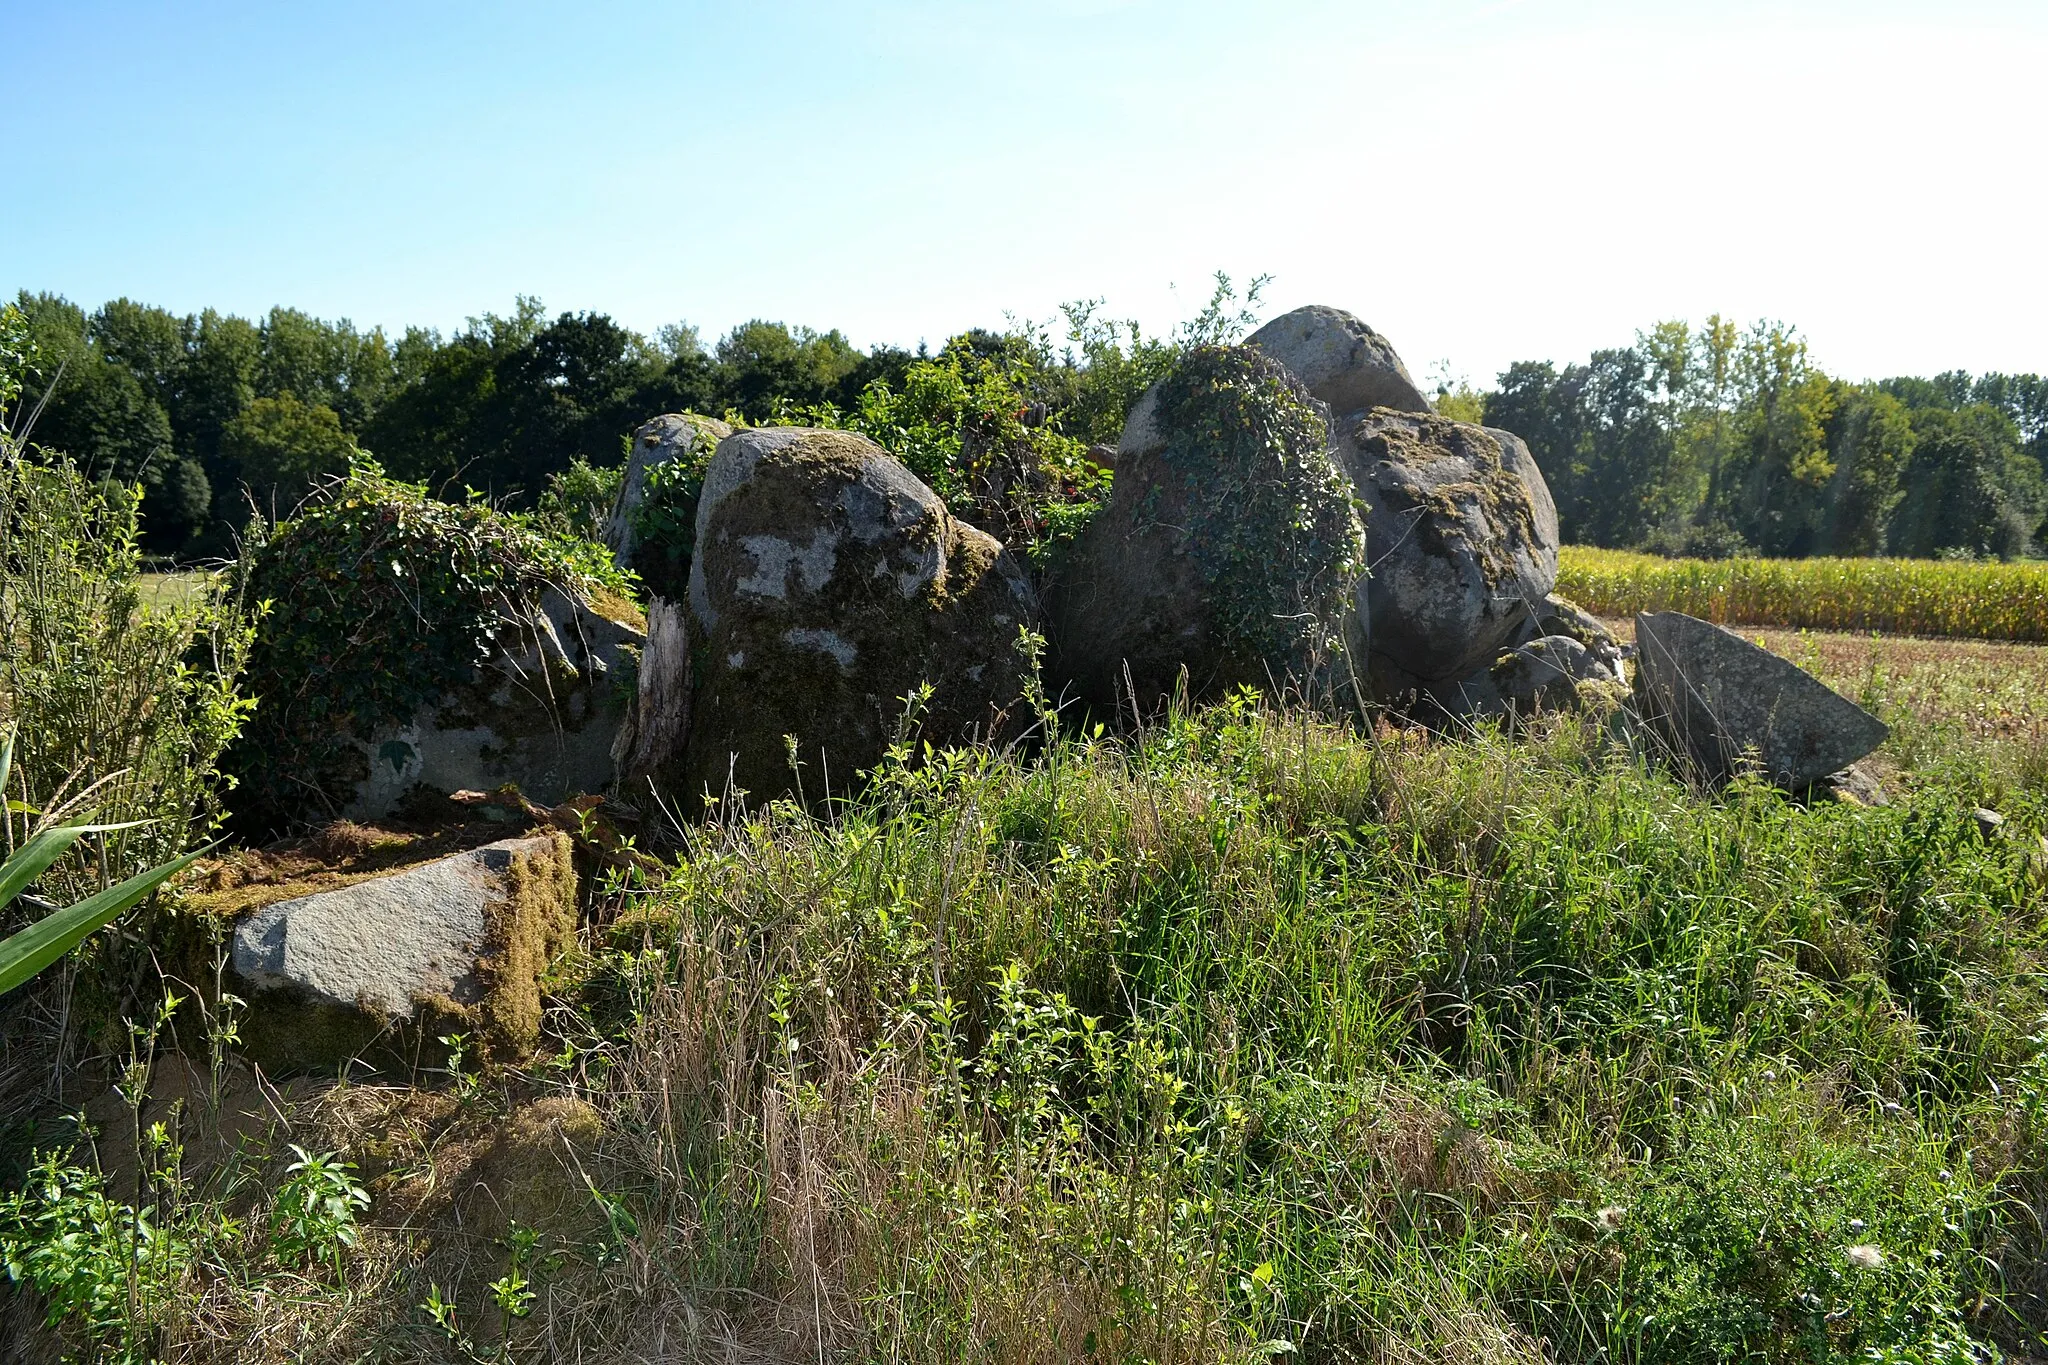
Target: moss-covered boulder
(391, 959)
(652, 529)
(1230, 547)
(412, 643)
(1464, 538)
(828, 585)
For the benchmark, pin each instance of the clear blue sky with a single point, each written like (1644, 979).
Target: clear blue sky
(1483, 180)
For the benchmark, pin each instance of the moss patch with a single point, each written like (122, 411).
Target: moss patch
(523, 934)
(1419, 441)
(337, 855)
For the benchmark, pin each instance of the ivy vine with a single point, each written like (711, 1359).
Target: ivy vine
(381, 599)
(1272, 523)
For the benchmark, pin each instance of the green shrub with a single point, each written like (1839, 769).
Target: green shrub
(1782, 1229)
(577, 500)
(314, 1214)
(108, 1269)
(665, 523)
(971, 424)
(127, 706)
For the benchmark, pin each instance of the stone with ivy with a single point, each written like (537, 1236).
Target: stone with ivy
(410, 644)
(653, 525)
(1230, 548)
(829, 588)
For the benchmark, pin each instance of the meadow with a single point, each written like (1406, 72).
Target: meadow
(1988, 600)
(1242, 1036)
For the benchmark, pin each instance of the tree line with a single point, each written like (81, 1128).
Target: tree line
(1709, 440)
(210, 412)
(1719, 440)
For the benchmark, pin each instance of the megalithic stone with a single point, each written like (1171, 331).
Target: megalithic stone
(1723, 703)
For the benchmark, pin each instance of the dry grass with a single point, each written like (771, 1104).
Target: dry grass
(163, 591)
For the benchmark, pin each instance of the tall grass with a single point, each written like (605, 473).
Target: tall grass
(1249, 1038)
(1991, 601)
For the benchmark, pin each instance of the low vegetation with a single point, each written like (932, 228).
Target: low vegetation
(431, 590)
(1236, 1037)
(1984, 600)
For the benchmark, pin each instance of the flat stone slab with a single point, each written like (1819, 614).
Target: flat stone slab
(383, 944)
(1721, 701)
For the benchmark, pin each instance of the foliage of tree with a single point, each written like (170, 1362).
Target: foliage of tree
(1719, 440)
(211, 413)
(1712, 439)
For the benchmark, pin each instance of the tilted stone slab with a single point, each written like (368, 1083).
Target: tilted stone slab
(1721, 702)
(473, 929)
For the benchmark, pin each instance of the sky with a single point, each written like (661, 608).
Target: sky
(1481, 180)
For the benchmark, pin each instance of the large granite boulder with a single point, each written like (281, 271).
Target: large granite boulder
(828, 584)
(459, 942)
(660, 508)
(1462, 527)
(1340, 360)
(1721, 703)
(542, 713)
(1230, 547)
(1464, 542)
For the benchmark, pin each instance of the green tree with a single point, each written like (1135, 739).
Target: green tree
(1970, 488)
(761, 362)
(281, 447)
(85, 403)
(1870, 438)
(148, 342)
(573, 389)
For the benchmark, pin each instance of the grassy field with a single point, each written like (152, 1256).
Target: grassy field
(1991, 601)
(1242, 1038)
(171, 589)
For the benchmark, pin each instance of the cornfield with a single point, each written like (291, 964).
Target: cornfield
(1989, 601)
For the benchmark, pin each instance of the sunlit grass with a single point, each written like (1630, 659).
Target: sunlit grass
(1248, 1037)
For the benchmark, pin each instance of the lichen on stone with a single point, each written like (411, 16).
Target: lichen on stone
(1497, 495)
(824, 646)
